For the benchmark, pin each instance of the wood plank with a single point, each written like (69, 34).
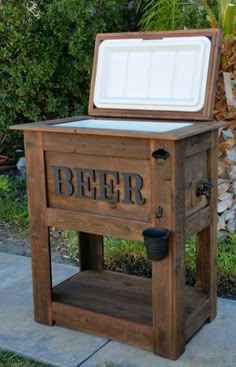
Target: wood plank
(92, 300)
(207, 238)
(90, 144)
(96, 224)
(39, 236)
(197, 144)
(197, 221)
(90, 251)
(119, 295)
(197, 127)
(103, 325)
(162, 320)
(197, 311)
(195, 170)
(168, 294)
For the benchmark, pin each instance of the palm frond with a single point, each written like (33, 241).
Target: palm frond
(210, 15)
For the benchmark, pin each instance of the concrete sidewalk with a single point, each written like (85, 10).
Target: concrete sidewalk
(213, 346)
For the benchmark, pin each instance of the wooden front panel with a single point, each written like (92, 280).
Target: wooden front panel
(107, 146)
(98, 185)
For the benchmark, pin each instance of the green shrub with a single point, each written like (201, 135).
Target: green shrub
(13, 201)
(46, 51)
(161, 15)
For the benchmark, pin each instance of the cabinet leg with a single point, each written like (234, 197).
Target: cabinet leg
(41, 271)
(168, 292)
(40, 246)
(91, 251)
(206, 277)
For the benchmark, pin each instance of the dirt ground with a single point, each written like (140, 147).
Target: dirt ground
(13, 241)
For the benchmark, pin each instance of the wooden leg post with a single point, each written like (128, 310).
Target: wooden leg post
(91, 251)
(206, 239)
(168, 275)
(168, 282)
(206, 265)
(41, 262)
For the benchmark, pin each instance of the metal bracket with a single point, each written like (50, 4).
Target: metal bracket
(159, 212)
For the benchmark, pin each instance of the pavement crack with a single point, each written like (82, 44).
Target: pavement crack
(92, 354)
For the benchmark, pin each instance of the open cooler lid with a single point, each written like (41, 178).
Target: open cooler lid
(155, 75)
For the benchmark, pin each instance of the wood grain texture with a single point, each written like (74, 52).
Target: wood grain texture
(119, 306)
(169, 275)
(39, 236)
(104, 146)
(206, 239)
(198, 221)
(102, 325)
(97, 224)
(195, 170)
(114, 294)
(197, 311)
(90, 251)
(205, 114)
(196, 128)
(197, 144)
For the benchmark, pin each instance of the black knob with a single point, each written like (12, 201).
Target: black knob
(204, 188)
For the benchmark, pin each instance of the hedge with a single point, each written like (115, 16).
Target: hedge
(46, 51)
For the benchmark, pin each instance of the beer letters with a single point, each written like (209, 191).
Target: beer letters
(87, 183)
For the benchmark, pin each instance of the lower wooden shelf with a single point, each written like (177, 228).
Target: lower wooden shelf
(118, 306)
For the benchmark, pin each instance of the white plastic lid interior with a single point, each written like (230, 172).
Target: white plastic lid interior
(168, 74)
(126, 125)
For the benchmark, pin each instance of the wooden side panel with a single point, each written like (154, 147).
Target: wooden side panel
(206, 239)
(195, 171)
(168, 275)
(41, 264)
(198, 221)
(116, 173)
(90, 251)
(197, 144)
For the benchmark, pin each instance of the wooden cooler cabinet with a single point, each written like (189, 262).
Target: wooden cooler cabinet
(145, 157)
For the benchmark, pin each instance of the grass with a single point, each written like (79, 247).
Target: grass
(113, 246)
(71, 239)
(13, 201)
(226, 254)
(226, 251)
(8, 359)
